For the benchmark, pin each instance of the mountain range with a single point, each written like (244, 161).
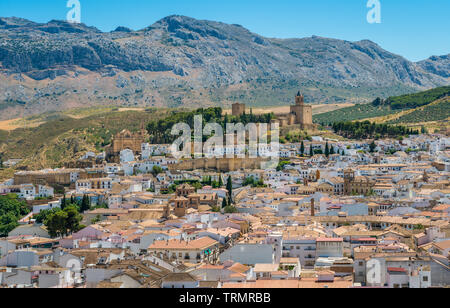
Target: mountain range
(180, 61)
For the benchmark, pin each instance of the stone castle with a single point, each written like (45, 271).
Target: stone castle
(219, 164)
(300, 114)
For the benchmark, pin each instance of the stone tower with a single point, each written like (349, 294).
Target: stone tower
(185, 190)
(181, 205)
(349, 177)
(302, 112)
(299, 99)
(238, 109)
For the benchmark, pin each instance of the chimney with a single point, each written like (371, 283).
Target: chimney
(313, 210)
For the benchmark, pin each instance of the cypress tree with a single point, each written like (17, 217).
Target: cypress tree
(372, 147)
(230, 189)
(63, 202)
(85, 204)
(332, 152)
(224, 203)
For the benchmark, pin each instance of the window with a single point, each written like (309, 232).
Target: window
(425, 278)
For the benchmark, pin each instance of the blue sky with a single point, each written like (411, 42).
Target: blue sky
(415, 29)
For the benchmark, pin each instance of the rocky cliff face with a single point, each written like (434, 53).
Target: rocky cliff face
(181, 61)
(437, 65)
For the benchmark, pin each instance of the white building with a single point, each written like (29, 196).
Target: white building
(126, 156)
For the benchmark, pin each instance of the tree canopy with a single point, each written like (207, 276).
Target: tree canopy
(61, 223)
(367, 129)
(160, 130)
(11, 211)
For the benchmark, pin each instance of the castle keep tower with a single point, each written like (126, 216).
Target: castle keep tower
(302, 113)
(238, 109)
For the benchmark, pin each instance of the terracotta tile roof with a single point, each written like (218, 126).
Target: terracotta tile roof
(441, 207)
(109, 285)
(198, 244)
(179, 277)
(239, 268)
(266, 267)
(306, 283)
(323, 239)
(443, 245)
(396, 270)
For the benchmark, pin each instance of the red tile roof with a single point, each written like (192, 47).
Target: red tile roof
(396, 269)
(323, 239)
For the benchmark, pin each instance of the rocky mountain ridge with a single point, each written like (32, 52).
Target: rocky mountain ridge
(181, 61)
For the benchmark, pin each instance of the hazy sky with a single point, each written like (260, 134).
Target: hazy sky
(415, 29)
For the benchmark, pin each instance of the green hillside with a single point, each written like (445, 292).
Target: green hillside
(418, 99)
(355, 113)
(64, 138)
(392, 105)
(438, 111)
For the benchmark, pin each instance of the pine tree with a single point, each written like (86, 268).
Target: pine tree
(327, 150)
(311, 151)
(220, 180)
(302, 149)
(73, 219)
(332, 152)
